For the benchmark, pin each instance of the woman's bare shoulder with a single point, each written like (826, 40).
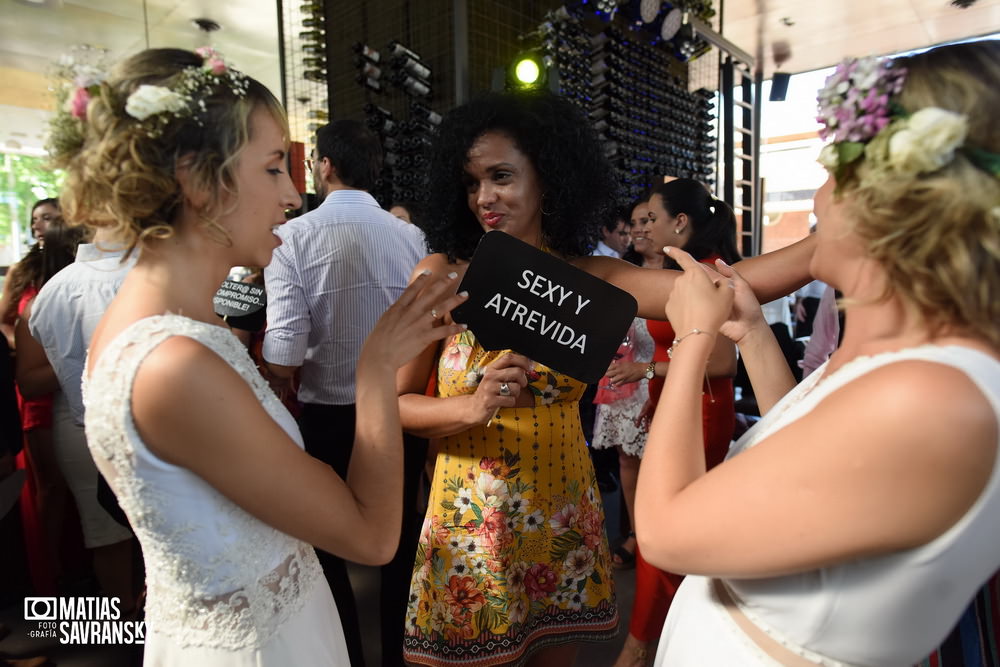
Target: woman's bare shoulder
(439, 264)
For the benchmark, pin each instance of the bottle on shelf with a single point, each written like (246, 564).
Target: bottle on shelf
(374, 109)
(396, 49)
(315, 74)
(411, 85)
(317, 114)
(367, 52)
(367, 67)
(369, 83)
(311, 35)
(419, 126)
(314, 62)
(411, 66)
(313, 22)
(383, 125)
(421, 111)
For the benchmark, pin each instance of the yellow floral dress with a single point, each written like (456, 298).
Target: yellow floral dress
(512, 556)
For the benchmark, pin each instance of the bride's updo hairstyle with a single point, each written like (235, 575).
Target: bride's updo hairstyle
(925, 195)
(155, 109)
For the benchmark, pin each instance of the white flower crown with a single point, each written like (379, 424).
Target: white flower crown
(154, 106)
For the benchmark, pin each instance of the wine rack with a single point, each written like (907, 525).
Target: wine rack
(636, 95)
(398, 72)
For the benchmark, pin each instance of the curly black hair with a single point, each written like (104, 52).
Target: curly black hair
(578, 185)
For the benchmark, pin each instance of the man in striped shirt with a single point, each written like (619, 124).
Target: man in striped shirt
(338, 268)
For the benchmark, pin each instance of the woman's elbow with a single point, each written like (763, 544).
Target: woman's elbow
(661, 548)
(364, 549)
(381, 550)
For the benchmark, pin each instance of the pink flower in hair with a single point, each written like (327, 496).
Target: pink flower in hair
(78, 103)
(215, 65)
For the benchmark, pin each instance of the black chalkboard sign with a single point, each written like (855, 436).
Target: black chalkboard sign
(526, 300)
(241, 305)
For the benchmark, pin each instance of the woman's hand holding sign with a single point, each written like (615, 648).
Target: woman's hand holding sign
(501, 385)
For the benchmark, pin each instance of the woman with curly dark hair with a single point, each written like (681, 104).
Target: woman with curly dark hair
(513, 566)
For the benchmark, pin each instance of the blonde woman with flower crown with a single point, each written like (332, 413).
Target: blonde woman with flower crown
(856, 521)
(185, 158)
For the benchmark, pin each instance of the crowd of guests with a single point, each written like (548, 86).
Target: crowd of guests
(850, 526)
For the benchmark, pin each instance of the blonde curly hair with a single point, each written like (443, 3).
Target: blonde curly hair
(938, 234)
(123, 179)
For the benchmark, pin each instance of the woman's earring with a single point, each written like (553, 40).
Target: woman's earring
(677, 230)
(544, 212)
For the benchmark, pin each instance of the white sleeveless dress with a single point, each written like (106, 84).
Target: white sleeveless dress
(889, 610)
(223, 588)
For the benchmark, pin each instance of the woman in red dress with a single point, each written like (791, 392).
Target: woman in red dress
(44, 495)
(682, 213)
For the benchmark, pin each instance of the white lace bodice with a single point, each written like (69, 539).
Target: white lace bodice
(216, 576)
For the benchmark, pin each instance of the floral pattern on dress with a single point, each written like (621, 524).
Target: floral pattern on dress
(456, 353)
(465, 574)
(512, 554)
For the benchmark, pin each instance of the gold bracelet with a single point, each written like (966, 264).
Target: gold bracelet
(677, 341)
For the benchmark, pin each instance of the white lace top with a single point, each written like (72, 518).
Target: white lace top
(216, 576)
(615, 423)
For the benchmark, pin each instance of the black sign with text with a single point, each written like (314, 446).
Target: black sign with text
(526, 300)
(241, 305)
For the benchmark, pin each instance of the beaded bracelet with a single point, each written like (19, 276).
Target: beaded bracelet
(677, 341)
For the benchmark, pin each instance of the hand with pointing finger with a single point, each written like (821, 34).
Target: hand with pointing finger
(746, 314)
(698, 300)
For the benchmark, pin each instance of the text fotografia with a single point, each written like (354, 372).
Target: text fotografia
(82, 621)
(533, 320)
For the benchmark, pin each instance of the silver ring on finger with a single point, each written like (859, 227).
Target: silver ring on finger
(434, 314)
(504, 389)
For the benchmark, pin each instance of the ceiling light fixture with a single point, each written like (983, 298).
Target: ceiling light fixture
(648, 9)
(671, 24)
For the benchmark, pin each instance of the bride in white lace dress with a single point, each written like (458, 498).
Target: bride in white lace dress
(187, 158)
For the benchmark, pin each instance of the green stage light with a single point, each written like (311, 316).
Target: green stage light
(530, 70)
(527, 72)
